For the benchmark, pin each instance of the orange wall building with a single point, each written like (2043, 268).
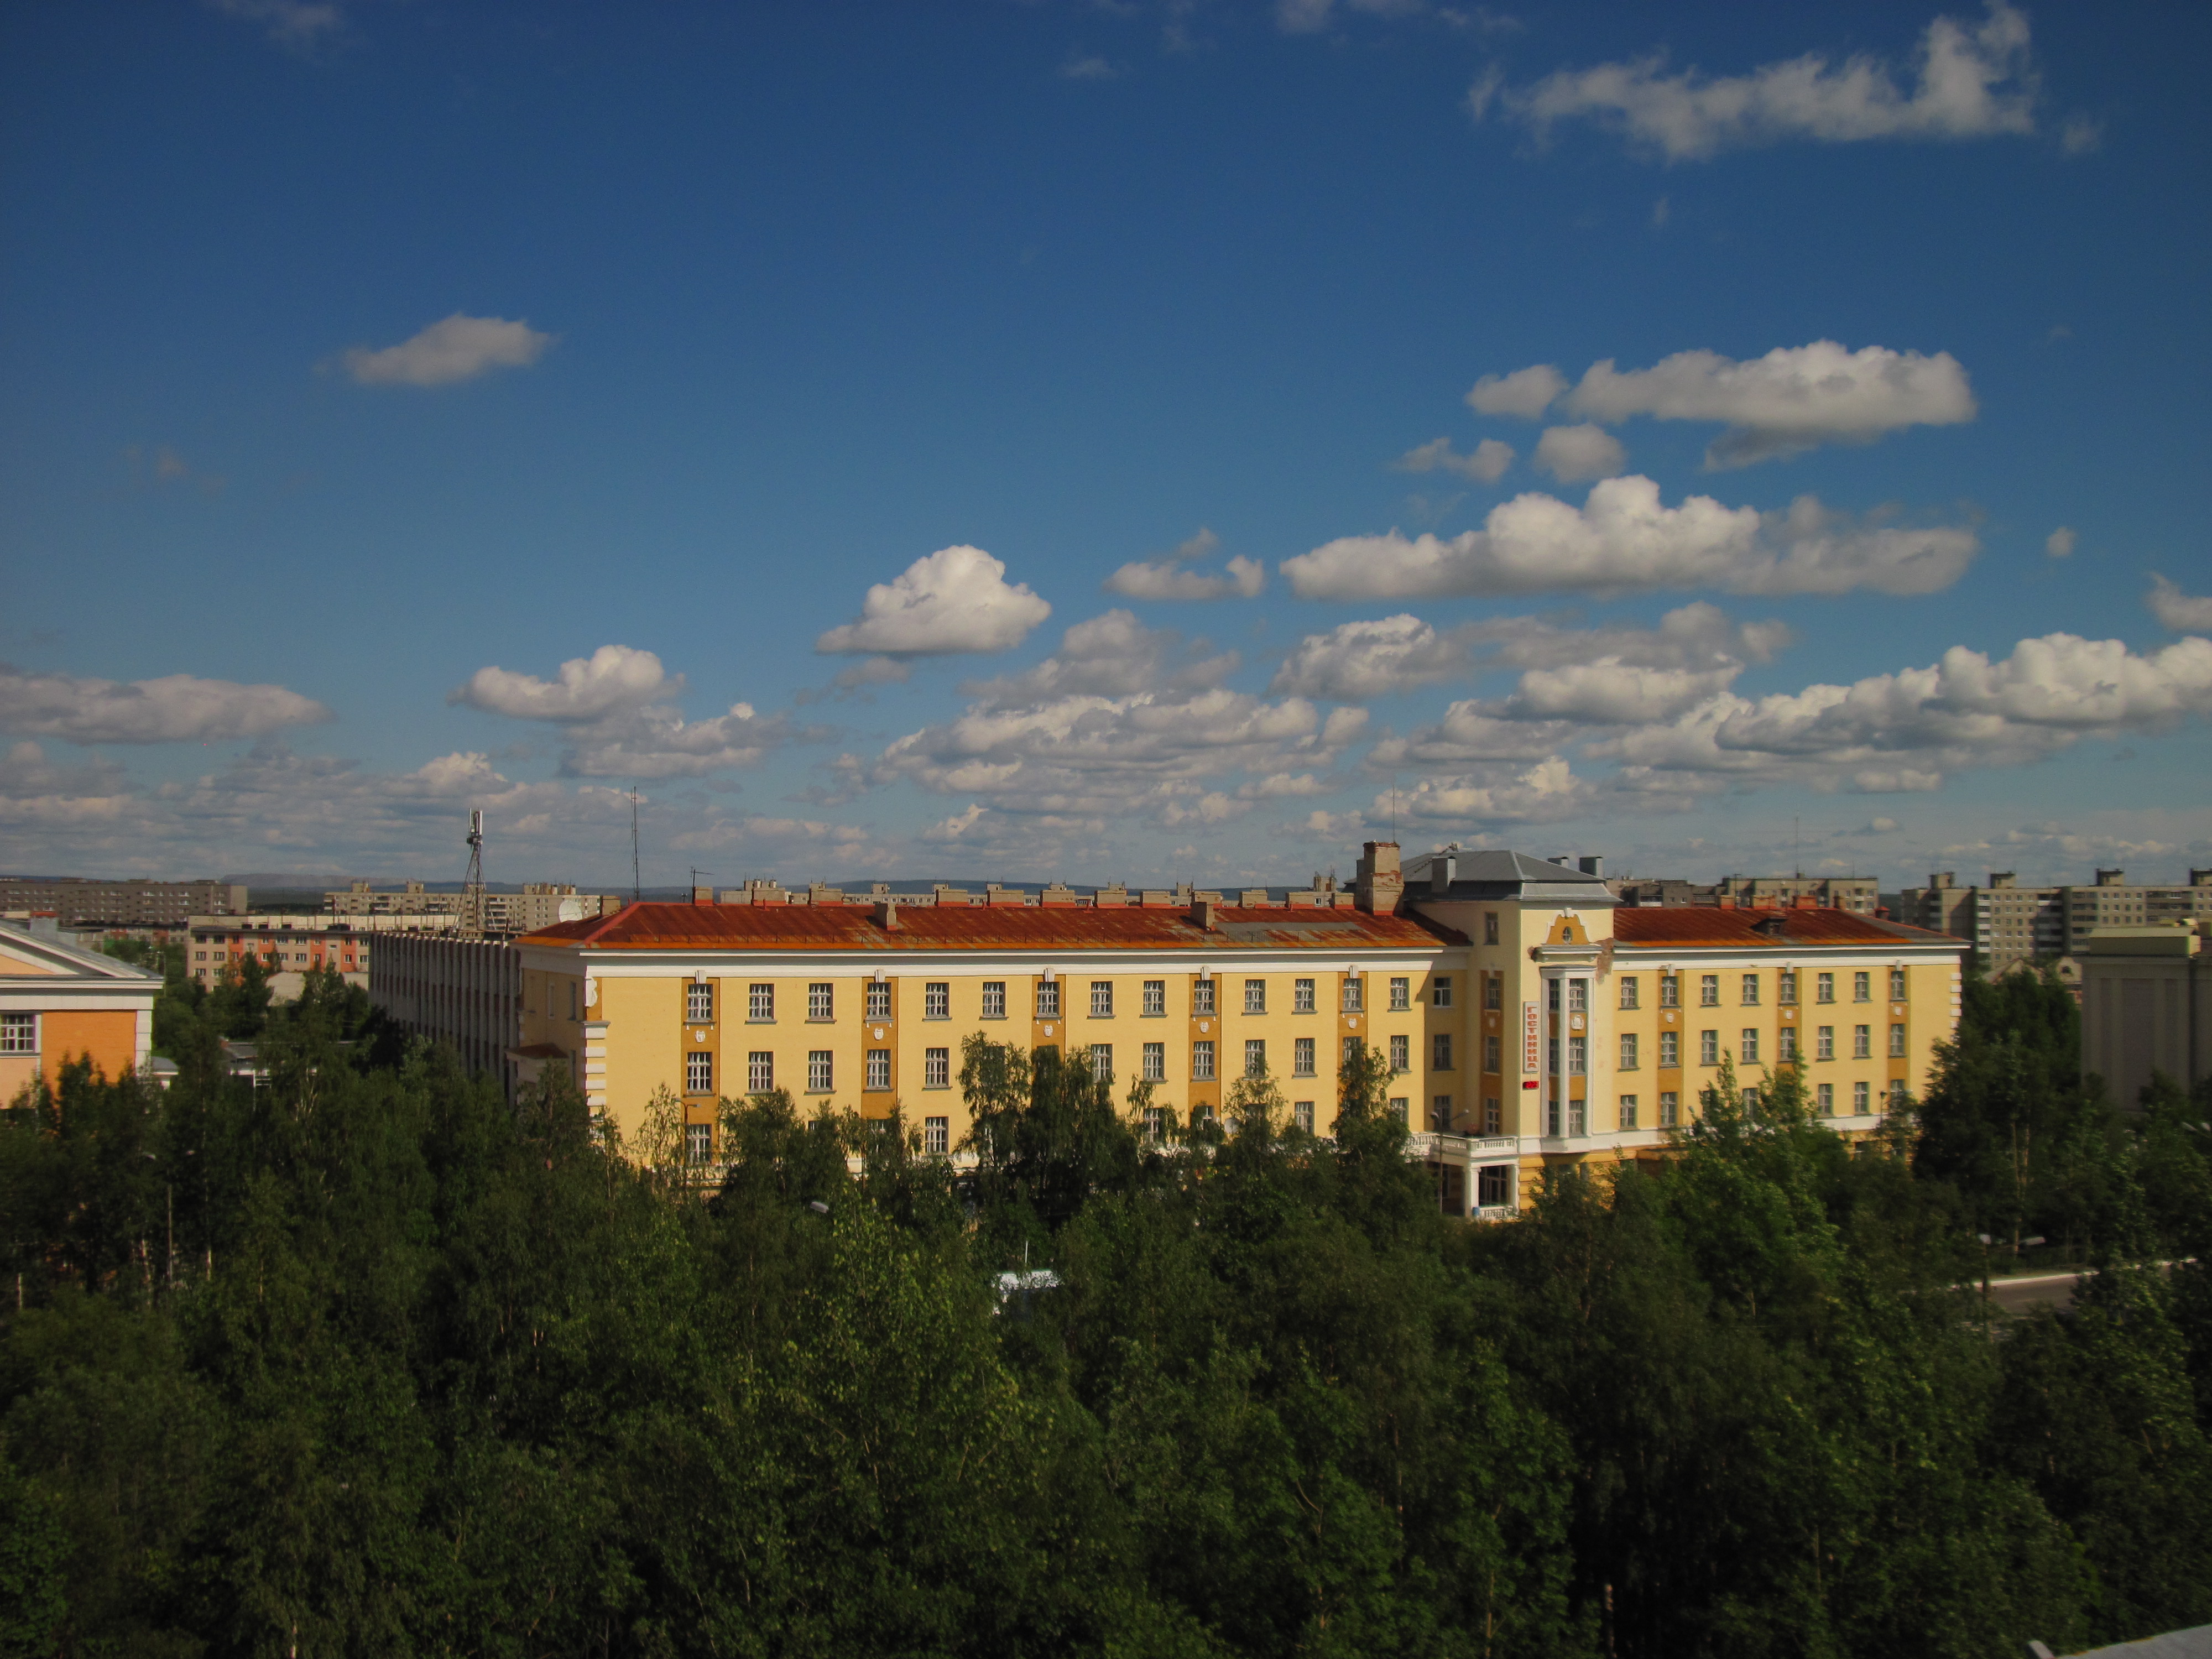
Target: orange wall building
(58, 1003)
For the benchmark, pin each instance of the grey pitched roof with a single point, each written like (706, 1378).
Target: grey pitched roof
(1500, 872)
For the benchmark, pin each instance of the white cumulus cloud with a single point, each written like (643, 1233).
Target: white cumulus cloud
(1164, 578)
(1975, 80)
(1546, 792)
(459, 348)
(956, 600)
(2180, 612)
(173, 709)
(1623, 538)
(1112, 655)
(1487, 465)
(1792, 400)
(1527, 392)
(1575, 454)
(586, 688)
(2060, 542)
(1357, 660)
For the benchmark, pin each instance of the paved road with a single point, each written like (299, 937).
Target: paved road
(2030, 1291)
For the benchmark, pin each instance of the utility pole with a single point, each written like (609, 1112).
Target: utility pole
(637, 892)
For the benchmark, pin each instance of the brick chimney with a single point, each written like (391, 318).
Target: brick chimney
(1379, 883)
(887, 914)
(1201, 913)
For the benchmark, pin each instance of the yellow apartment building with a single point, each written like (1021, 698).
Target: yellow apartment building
(1528, 1017)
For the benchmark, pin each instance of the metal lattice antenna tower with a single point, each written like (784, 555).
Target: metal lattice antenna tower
(472, 905)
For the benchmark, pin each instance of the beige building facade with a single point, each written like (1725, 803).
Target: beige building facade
(2146, 1006)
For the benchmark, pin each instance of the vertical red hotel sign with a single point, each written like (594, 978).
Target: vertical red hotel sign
(1532, 1038)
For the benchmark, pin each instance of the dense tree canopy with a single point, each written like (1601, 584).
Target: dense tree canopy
(367, 1360)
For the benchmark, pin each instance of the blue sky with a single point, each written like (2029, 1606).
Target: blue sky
(415, 406)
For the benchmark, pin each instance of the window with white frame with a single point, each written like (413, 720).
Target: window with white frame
(879, 999)
(1440, 1114)
(937, 1000)
(936, 1136)
(1628, 1111)
(1402, 1055)
(1302, 996)
(1627, 1051)
(1577, 996)
(1860, 1102)
(1201, 997)
(1400, 1108)
(994, 999)
(699, 1002)
(1670, 1110)
(1670, 1049)
(1102, 998)
(1102, 1061)
(1302, 1057)
(1824, 1095)
(1751, 990)
(1493, 1052)
(1255, 1057)
(1352, 994)
(1897, 1042)
(1255, 996)
(760, 1072)
(1670, 990)
(1824, 1042)
(1201, 1063)
(821, 1000)
(1578, 1117)
(1897, 985)
(698, 1143)
(1048, 999)
(819, 1076)
(1401, 994)
(1861, 1043)
(1709, 990)
(1156, 999)
(19, 1034)
(760, 1002)
(1862, 987)
(1440, 1052)
(1785, 988)
(1493, 990)
(1824, 988)
(1440, 991)
(698, 1074)
(1156, 1124)
(1749, 1052)
(1347, 1054)
(1708, 1047)
(937, 1069)
(1155, 1062)
(1628, 990)
(879, 1069)
(1302, 1115)
(1897, 1094)
(1578, 1056)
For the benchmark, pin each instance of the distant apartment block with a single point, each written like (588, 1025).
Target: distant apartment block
(83, 902)
(2011, 924)
(1857, 894)
(540, 904)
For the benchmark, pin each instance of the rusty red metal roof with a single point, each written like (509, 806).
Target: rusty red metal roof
(989, 927)
(1738, 928)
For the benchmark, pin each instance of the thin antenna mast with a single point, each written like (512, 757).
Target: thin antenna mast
(636, 890)
(472, 906)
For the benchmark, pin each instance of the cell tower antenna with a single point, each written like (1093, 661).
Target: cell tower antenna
(637, 890)
(1796, 858)
(472, 906)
